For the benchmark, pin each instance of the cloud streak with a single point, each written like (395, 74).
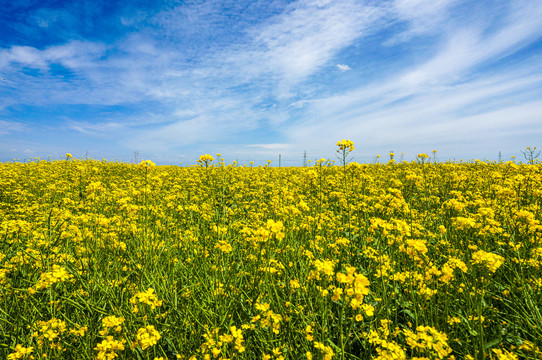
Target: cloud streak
(8, 127)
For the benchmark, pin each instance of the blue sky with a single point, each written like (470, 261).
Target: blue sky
(254, 79)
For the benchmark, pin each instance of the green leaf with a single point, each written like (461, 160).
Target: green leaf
(492, 343)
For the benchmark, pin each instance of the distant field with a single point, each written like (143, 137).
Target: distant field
(383, 261)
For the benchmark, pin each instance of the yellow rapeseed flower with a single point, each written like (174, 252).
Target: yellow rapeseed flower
(20, 352)
(490, 260)
(147, 336)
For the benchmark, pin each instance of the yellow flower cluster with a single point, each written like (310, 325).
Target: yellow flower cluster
(49, 332)
(20, 352)
(107, 349)
(267, 318)
(345, 145)
(145, 297)
(79, 330)
(235, 337)
(325, 267)
(428, 340)
(205, 159)
(47, 279)
(146, 337)
(111, 322)
(224, 246)
(504, 355)
(230, 343)
(425, 340)
(327, 351)
(490, 260)
(147, 164)
(276, 228)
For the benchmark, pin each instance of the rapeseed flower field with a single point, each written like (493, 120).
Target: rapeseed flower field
(402, 260)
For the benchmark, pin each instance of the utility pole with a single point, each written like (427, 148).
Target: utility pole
(500, 156)
(279, 160)
(305, 158)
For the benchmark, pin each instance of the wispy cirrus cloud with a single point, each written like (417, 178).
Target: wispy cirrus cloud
(469, 47)
(421, 17)
(445, 100)
(298, 44)
(75, 54)
(488, 108)
(274, 147)
(7, 127)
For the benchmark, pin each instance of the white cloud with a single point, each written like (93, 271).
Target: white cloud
(480, 113)
(95, 128)
(467, 48)
(343, 67)
(74, 54)
(422, 16)
(207, 121)
(303, 39)
(275, 146)
(7, 127)
(26, 55)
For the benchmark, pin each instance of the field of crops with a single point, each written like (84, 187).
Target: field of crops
(417, 260)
